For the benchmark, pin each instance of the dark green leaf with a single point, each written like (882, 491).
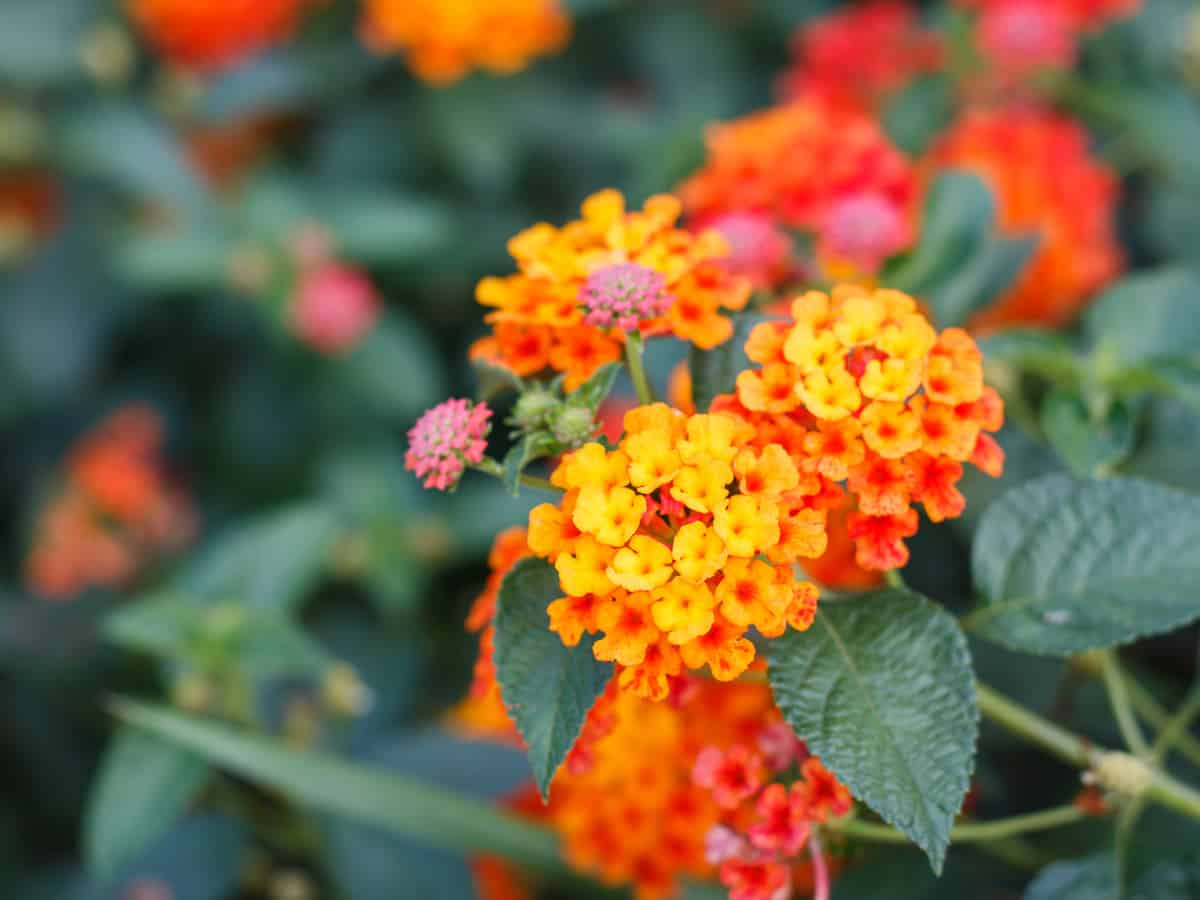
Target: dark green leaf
(144, 785)
(547, 688)
(175, 262)
(920, 111)
(593, 391)
(881, 689)
(531, 447)
(980, 280)
(715, 371)
(494, 380)
(1093, 878)
(1088, 447)
(1066, 565)
(957, 221)
(269, 564)
(1146, 318)
(376, 228)
(1172, 879)
(403, 806)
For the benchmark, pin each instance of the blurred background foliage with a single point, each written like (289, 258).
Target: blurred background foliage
(296, 577)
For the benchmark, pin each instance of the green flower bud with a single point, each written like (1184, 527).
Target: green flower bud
(534, 409)
(573, 426)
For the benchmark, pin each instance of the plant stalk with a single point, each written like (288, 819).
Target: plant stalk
(1118, 698)
(971, 832)
(637, 370)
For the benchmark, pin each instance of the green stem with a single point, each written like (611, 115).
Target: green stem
(637, 371)
(1078, 751)
(1154, 713)
(971, 832)
(894, 579)
(1118, 698)
(1177, 726)
(1057, 741)
(489, 466)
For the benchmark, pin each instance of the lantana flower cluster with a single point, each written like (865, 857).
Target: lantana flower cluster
(674, 544)
(1048, 184)
(766, 823)
(113, 513)
(868, 399)
(825, 170)
(443, 40)
(579, 288)
(858, 56)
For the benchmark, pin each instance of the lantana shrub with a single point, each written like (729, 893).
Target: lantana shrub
(666, 450)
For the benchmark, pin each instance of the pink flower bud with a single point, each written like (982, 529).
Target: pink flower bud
(333, 307)
(445, 439)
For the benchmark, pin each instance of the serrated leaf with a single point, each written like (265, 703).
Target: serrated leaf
(144, 785)
(1065, 565)
(531, 447)
(547, 688)
(1088, 447)
(882, 691)
(1092, 878)
(593, 391)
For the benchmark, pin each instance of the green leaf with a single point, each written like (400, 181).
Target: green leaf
(547, 688)
(715, 371)
(531, 447)
(365, 794)
(271, 563)
(1145, 319)
(881, 689)
(923, 109)
(380, 228)
(394, 371)
(1044, 353)
(262, 643)
(1065, 565)
(174, 262)
(1171, 879)
(980, 280)
(960, 265)
(144, 785)
(1093, 878)
(593, 391)
(494, 380)
(1088, 447)
(956, 221)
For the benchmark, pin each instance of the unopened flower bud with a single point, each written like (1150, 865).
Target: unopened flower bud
(1120, 773)
(192, 693)
(533, 409)
(344, 693)
(573, 425)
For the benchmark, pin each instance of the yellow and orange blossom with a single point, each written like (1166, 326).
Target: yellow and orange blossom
(443, 40)
(674, 544)
(869, 400)
(538, 318)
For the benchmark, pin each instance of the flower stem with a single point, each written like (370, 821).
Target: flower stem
(894, 579)
(637, 371)
(1079, 751)
(1153, 713)
(1118, 698)
(1177, 726)
(820, 869)
(491, 467)
(972, 832)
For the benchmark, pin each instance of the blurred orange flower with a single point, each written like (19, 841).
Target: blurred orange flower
(445, 39)
(114, 512)
(209, 35)
(1047, 183)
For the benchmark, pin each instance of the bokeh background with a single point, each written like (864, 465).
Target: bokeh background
(171, 426)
